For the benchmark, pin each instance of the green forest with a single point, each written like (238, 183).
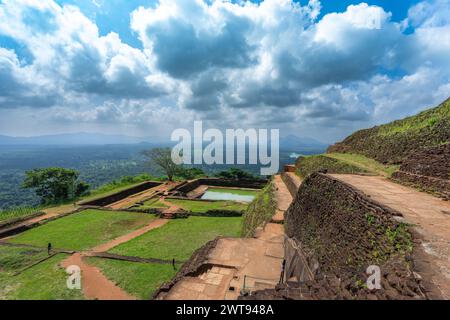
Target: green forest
(97, 166)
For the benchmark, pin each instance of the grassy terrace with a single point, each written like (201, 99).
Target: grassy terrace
(152, 204)
(343, 163)
(138, 279)
(17, 213)
(66, 206)
(365, 163)
(45, 281)
(307, 165)
(84, 230)
(204, 205)
(180, 238)
(13, 259)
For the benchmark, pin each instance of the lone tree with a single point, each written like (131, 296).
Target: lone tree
(162, 157)
(55, 184)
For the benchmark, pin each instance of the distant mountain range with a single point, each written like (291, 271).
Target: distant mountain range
(293, 143)
(76, 139)
(290, 142)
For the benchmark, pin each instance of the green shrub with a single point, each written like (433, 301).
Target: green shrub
(307, 165)
(260, 211)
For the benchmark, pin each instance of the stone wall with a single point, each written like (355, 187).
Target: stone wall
(106, 200)
(290, 183)
(344, 232)
(428, 170)
(196, 265)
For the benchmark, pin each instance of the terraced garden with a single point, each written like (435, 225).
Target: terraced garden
(84, 230)
(138, 279)
(43, 281)
(25, 254)
(179, 238)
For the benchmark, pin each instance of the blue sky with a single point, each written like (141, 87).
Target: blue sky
(311, 68)
(114, 15)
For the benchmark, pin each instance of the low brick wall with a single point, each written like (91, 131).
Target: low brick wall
(106, 200)
(192, 185)
(436, 186)
(218, 213)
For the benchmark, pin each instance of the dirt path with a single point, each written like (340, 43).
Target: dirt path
(429, 215)
(283, 198)
(125, 238)
(94, 284)
(172, 208)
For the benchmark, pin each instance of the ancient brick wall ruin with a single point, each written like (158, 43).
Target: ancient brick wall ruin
(104, 201)
(344, 232)
(428, 170)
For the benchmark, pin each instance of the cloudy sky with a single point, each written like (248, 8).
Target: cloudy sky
(144, 67)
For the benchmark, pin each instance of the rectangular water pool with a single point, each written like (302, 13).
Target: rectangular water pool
(240, 195)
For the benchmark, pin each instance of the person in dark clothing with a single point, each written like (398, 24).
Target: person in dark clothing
(49, 248)
(283, 267)
(173, 264)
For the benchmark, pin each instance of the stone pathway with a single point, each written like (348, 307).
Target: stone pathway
(125, 238)
(94, 284)
(257, 261)
(429, 215)
(211, 285)
(283, 199)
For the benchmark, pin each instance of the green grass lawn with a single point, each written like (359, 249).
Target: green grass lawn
(84, 230)
(365, 163)
(242, 192)
(14, 259)
(180, 238)
(45, 281)
(204, 205)
(138, 279)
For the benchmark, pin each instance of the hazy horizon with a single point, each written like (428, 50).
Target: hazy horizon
(320, 69)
